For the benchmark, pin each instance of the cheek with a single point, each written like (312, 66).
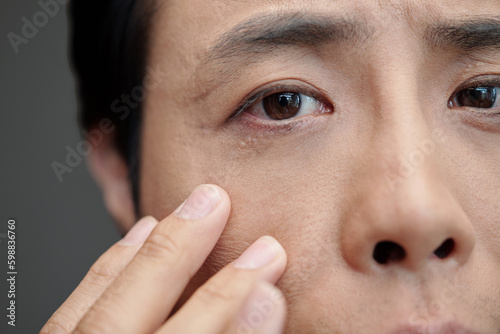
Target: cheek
(289, 188)
(262, 177)
(472, 173)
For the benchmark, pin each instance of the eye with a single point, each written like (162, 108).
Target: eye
(479, 97)
(286, 105)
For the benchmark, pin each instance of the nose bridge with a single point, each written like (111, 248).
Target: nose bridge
(404, 144)
(405, 212)
(406, 148)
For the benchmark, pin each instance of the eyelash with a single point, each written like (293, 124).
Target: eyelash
(479, 83)
(474, 84)
(275, 90)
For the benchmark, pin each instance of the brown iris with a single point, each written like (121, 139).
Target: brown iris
(282, 105)
(477, 97)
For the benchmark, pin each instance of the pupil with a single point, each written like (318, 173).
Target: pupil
(284, 100)
(478, 97)
(282, 105)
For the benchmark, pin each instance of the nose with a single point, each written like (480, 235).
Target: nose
(402, 211)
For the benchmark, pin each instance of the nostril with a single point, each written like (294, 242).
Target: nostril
(445, 249)
(388, 251)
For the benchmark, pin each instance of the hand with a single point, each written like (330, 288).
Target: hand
(134, 285)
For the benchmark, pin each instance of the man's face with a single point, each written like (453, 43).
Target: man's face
(366, 142)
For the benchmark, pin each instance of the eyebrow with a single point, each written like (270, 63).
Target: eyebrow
(264, 34)
(468, 36)
(267, 33)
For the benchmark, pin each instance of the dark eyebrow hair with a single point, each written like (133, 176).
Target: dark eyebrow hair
(266, 33)
(468, 36)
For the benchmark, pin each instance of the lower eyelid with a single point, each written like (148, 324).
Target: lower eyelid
(263, 126)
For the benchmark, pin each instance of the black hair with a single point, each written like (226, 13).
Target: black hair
(108, 50)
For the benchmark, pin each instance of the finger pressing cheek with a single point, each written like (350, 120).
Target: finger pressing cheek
(219, 304)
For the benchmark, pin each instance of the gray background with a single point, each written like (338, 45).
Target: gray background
(62, 228)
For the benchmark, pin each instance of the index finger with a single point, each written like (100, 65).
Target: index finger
(143, 295)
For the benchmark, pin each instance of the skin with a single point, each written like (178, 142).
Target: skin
(390, 161)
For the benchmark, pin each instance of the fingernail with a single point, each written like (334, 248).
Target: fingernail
(259, 254)
(264, 311)
(139, 232)
(200, 203)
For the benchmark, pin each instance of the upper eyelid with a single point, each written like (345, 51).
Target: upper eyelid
(481, 84)
(480, 81)
(282, 89)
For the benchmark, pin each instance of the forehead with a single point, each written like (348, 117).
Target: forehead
(196, 24)
(227, 10)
